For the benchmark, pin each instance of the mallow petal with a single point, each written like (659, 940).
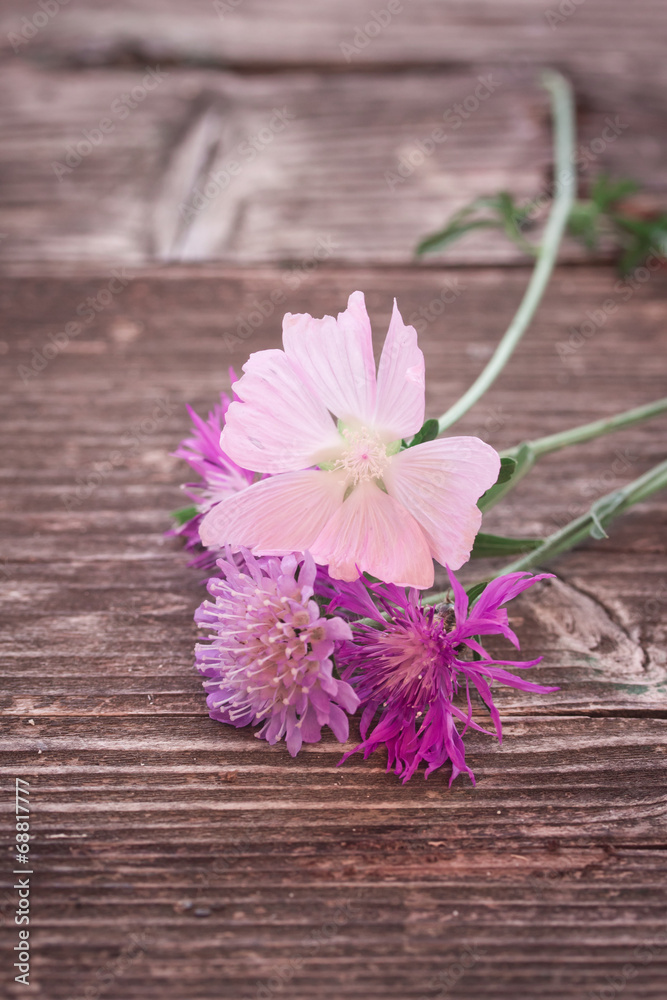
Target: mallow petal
(277, 424)
(282, 514)
(335, 357)
(439, 482)
(399, 409)
(371, 532)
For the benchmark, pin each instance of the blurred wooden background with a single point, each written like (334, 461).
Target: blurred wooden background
(165, 168)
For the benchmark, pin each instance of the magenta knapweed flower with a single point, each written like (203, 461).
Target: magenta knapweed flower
(269, 658)
(219, 476)
(409, 669)
(344, 489)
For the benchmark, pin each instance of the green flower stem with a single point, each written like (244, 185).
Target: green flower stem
(592, 523)
(587, 432)
(595, 520)
(527, 453)
(563, 118)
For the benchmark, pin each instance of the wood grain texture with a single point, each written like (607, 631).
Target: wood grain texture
(177, 858)
(601, 40)
(285, 167)
(261, 168)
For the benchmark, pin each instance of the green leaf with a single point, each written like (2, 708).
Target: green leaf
(505, 214)
(452, 232)
(597, 530)
(512, 217)
(584, 223)
(589, 220)
(512, 469)
(490, 546)
(475, 590)
(427, 432)
(508, 467)
(184, 515)
(507, 470)
(640, 238)
(605, 192)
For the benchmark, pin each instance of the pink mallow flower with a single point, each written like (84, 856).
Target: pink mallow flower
(413, 664)
(343, 488)
(269, 658)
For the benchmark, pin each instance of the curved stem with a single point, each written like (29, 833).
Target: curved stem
(590, 524)
(594, 521)
(586, 432)
(565, 191)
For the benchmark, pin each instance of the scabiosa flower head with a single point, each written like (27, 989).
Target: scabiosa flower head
(409, 669)
(269, 658)
(219, 476)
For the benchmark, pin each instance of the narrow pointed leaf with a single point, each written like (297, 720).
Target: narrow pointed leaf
(184, 515)
(427, 432)
(452, 232)
(508, 467)
(511, 471)
(475, 591)
(490, 546)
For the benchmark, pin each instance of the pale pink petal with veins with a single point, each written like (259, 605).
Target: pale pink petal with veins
(281, 514)
(440, 482)
(372, 533)
(335, 357)
(399, 410)
(277, 424)
(370, 507)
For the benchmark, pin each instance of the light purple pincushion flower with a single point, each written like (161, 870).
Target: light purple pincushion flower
(409, 668)
(269, 658)
(219, 476)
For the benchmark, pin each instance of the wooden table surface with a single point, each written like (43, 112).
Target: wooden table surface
(177, 859)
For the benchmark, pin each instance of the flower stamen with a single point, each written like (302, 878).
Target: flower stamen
(365, 456)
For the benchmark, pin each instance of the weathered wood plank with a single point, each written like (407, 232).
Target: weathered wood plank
(219, 853)
(402, 879)
(601, 646)
(602, 40)
(284, 167)
(292, 167)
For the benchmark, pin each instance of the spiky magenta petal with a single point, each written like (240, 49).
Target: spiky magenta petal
(409, 668)
(219, 476)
